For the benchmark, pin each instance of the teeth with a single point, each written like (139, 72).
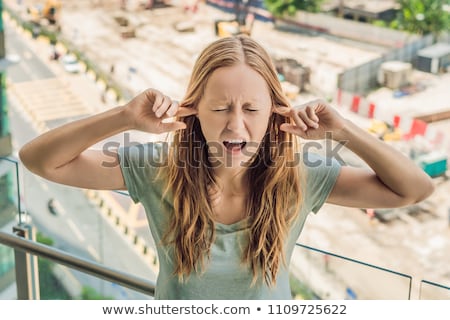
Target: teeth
(235, 141)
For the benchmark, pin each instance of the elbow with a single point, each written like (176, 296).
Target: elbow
(28, 159)
(24, 157)
(428, 189)
(425, 190)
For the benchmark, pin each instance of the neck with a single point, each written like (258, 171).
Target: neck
(231, 179)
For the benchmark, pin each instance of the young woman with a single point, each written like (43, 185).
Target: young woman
(227, 199)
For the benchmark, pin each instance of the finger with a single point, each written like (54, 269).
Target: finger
(284, 111)
(172, 126)
(158, 100)
(312, 114)
(313, 107)
(298, 120)
(291, 128)
(312, 103)
(180, 112)
(173, 108)
(163, 107)
(186, 112)
(292, 113)
(303, 114)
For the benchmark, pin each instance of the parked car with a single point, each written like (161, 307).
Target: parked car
(71, 63)
(383, 215)
(387, 215)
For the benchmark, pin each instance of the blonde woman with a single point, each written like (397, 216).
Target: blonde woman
(227, 199)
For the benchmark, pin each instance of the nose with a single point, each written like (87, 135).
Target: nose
(235, 121)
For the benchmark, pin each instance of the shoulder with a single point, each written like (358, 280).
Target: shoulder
(319, 176)
(317, 166)
(152, 154)
(140, 164)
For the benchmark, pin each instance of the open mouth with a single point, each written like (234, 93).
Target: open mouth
(234, 145)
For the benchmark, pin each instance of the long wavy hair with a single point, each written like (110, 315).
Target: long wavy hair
(273, 180)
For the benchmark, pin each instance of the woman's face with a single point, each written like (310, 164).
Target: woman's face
(234, 114)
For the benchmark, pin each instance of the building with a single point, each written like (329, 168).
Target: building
(363, 11)
(435, 58)
(394, 74)
(7, 172)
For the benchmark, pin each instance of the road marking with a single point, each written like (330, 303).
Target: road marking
(75, 229)
(93, 252)
(18, 107)
(49, 99)
(59, 208)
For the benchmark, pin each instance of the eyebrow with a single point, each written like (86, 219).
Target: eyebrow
(228, 101)
(231, 104)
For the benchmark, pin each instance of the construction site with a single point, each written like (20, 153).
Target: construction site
(124, 47)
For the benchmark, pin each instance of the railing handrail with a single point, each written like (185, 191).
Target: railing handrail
(434, 284)
(355, 261)
(361, 263)
(101, 271)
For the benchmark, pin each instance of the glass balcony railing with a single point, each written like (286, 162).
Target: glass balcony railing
(48, 278)
(433, 291)
(333, 276)
(81, 246)
(10, 199)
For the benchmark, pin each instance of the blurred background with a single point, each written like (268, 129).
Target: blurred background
(383, 64)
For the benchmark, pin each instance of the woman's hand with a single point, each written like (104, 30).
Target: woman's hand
(150, 111)
(394, 180)
(312, 120)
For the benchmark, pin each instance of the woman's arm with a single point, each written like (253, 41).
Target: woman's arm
(62, 155)
(394, 180)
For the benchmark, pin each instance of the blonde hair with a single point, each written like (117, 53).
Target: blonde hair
(275, 190)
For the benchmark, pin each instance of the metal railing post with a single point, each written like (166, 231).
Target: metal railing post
(89, 267)
(27, 273)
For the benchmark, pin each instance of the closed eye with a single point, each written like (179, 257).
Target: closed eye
(250, 107)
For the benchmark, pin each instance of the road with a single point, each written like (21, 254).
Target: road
(78, 228)
(413, 245)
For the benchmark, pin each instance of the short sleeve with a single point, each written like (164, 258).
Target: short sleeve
(321, 175)
(139, 164)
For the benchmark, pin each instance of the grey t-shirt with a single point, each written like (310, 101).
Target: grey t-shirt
(225, 276)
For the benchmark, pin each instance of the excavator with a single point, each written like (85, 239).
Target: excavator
(242, 23)
(44, 13)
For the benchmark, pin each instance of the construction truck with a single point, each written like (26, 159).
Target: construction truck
(242, 23)
(384, 131)
(226, 28)
(46, 13)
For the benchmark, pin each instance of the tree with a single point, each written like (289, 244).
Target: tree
(50, 287)
(281, 7)
(423, 16)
